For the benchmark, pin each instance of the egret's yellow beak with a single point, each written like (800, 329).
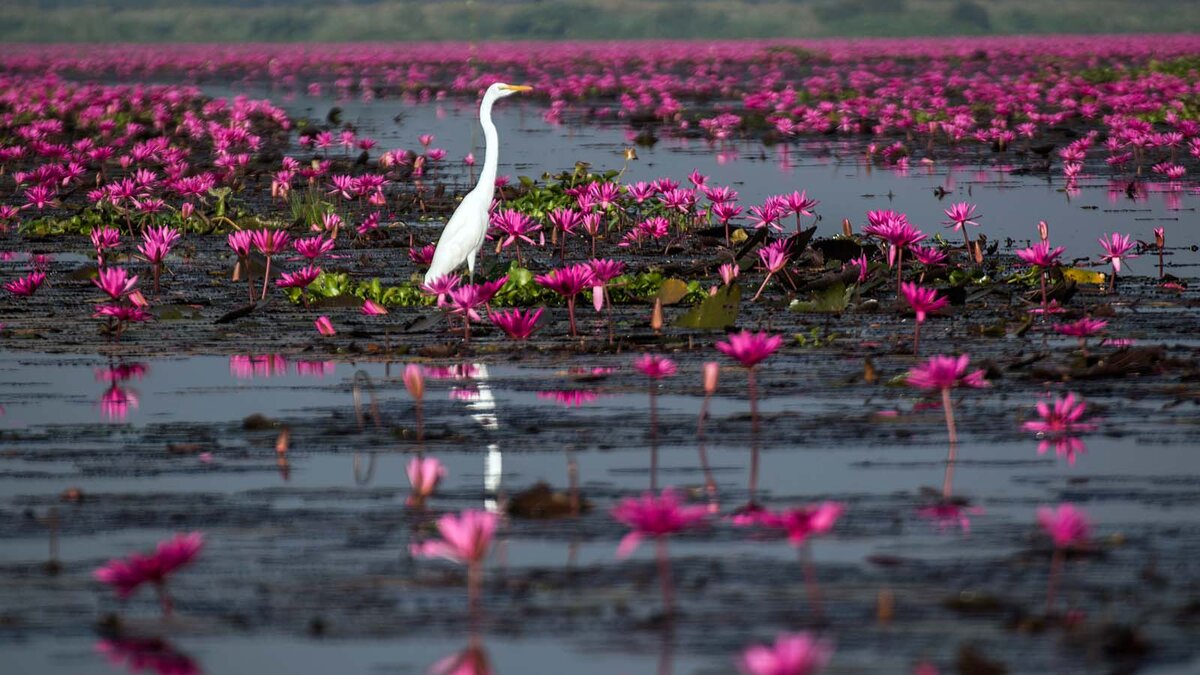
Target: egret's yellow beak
(517, 87)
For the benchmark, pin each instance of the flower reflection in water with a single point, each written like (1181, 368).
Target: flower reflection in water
(318, 369)
(949, 514)
(571, 398)
(116, 402)
(468, 394)
(249, 366)
(122, 372)
(462, 371)
(148, 655)
(471, 661)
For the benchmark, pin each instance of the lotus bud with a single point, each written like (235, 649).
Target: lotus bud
(711, 369)
(414, 381)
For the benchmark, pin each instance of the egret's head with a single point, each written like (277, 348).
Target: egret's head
(500, 89)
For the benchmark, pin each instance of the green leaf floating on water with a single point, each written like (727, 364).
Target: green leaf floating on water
(832, 300)
(715, 311)
(672, 291)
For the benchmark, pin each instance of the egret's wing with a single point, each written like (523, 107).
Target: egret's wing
(463, 233)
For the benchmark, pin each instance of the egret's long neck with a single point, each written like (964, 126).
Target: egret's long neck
(491, 152)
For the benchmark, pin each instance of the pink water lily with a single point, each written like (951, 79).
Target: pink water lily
(466, 537)
(792, 654)
(372, 308)
(750, 349)
(654, 366)
(517, 324)
(126, 575)
(423, 476)
(1066, 525)
(1116, 247)
(922, 301)
(568, 282)
(27, 285)
(325, 326)
(1063, 415)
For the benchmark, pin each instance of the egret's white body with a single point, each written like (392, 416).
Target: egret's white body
(463, 235)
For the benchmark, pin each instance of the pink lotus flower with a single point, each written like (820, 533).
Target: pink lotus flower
(442, 286)
(1116, 246)
(423, 255)
(121, 313)
(654, 516)
(372, 308)
(414, 381)
(774, 258)
(1060, 417)
(313, 247)
(1040, 254)
(104, 239)
(241, 241)
(126, 575)
(516, 228)
(960, 215)
(863, 266)
(26, 285)
(325, 326)
(157, 242)
(516, 324)
(750, 349)
(1066, 525)
(792, 654)
(729, 272)
(465, 299)
(465, 537)
(799, 523)
(928, 256)
(1083, 328)
(423, 476)
(945, 372)
(654, 366)
(115, 281)
(269, 242)
(568, 282)
(922, 300)
(301, 278)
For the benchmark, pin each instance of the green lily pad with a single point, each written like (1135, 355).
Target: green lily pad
(715, 311)
(832, 300)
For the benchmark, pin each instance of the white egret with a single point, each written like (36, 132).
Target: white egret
(463, 235)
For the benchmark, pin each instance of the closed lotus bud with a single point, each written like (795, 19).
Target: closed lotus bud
(1160, 238)
(1043, 230)
(656, 317)
(598, 297)
(186, 210)
(414, 381)
(325, 326)
(711, 369)
(138, 299)
(847, 227)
